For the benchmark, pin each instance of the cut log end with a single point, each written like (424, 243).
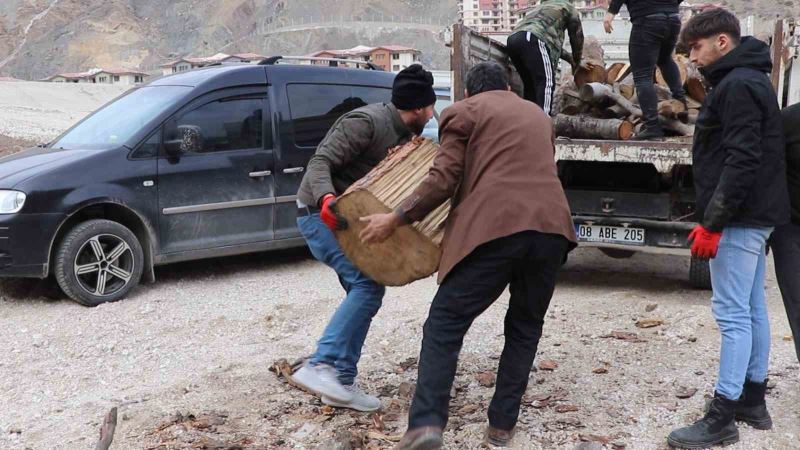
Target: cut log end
(626, 130)
(590, 73)
(406, 256)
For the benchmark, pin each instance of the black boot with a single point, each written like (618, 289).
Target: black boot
(717, 427)
(752, 408)
(649, 133)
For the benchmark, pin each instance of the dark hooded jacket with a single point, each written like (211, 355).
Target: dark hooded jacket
(791, 127)
(738, 155)
(641, 8)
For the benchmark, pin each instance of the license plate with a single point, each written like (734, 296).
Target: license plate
(610, 235)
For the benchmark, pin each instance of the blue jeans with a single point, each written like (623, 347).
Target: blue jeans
(341, 342)
(740, 307)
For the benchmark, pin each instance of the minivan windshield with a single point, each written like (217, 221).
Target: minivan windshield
(118, 121)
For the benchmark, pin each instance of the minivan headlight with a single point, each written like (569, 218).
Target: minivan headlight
(11, 201)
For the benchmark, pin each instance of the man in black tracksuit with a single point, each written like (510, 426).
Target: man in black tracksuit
(656, 25)
(739, 167)
(785, 241)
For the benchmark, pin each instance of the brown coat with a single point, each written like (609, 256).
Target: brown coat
(497, 163)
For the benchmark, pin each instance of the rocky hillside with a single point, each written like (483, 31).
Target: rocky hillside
(40, 37)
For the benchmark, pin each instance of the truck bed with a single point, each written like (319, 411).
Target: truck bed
(664, 155)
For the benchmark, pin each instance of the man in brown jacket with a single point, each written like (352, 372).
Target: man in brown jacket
(509, 224)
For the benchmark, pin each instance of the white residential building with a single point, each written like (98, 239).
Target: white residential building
(120, 76)
(391, 58)
(184, 64)
(128, 77)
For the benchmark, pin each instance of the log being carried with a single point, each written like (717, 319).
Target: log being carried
(412, 252)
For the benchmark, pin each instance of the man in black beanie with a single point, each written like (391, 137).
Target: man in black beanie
(354, 145)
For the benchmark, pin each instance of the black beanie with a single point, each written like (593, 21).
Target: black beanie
(413, 88)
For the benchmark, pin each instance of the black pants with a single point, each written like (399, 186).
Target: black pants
(785, 244)
(652, 43)
(533, 64)
(529, 262)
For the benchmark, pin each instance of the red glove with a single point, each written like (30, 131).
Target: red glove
(704, 242)
(328, 214)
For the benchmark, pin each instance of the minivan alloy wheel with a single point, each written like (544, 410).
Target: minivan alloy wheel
(98, 261)
(104, 265)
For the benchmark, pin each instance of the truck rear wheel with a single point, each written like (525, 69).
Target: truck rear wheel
(98, 261)
(700, 273)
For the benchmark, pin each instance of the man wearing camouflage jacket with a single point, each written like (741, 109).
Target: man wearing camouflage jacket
(536, 45)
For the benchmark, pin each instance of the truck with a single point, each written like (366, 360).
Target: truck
(627, 197)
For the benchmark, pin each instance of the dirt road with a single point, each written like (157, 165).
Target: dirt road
(200, 341)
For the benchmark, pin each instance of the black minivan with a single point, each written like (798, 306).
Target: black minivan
(199, 164)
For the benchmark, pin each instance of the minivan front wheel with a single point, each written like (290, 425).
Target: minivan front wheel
(98, 261)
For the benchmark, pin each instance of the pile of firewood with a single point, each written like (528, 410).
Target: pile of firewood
(600, 102)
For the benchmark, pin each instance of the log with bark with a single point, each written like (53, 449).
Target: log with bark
(411, 252)
(590, 73)
(596, 92)
(626, 88)
(567, 99)
(695, 83)
(571, 104)
(696, 89)
(582, 127)
(671, 108)
(593, 66)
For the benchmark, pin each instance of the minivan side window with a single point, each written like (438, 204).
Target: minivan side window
(227, 124)
(314, 108)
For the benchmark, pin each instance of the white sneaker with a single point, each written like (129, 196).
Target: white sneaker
(361, 401)
(321, 379)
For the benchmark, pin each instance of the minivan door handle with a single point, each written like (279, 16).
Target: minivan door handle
(294, 170)
(264, 173)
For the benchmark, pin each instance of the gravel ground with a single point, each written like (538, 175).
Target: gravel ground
(186, 361)
(37, 111)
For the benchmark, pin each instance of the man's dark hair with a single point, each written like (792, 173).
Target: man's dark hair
(710, 23)
(486, 76)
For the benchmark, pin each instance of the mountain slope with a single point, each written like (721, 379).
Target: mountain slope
(40, 37)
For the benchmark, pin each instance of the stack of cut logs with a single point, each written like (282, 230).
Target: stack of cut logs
(600, 102)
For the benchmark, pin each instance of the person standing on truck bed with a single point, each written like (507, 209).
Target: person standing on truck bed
(536, 46)
(785, 241)
(354, 145)
(739, 168)
(656, 25)
(510, 224)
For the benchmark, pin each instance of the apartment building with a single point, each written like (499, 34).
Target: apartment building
(501, 16)
(391, 58)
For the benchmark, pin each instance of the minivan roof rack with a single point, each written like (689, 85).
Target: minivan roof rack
(271, 61)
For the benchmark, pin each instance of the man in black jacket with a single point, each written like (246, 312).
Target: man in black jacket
(785, 241)
(740, 182)
(656, 25)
